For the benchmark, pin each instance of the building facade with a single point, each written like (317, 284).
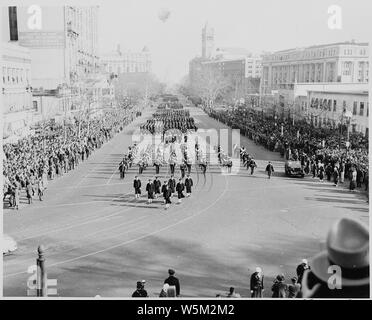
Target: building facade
(17, 107)
(243, 72)
(325, 104)
(346, 62)
(119, 62)
(64, 54)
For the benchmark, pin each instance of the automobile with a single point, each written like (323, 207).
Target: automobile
(294, 168)
(9, 245)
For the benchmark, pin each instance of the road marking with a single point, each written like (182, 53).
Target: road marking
(138, 238)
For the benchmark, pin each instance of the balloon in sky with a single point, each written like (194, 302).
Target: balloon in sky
(164, 14)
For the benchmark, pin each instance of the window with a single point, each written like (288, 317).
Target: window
(343, 106)
(4, 77)
(361, 110)
(13, 27)
(334, 105)
(355, 108)
(367, 109)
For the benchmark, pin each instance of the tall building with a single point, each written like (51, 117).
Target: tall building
(64, 55)
(118, 62)
(17, 108)
(346, 62)
(207, 42)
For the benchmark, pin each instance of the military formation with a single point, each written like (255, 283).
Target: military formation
(164, 120)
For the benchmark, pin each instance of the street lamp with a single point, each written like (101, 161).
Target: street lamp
(348, 116)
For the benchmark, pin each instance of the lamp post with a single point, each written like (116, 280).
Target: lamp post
(348, 116)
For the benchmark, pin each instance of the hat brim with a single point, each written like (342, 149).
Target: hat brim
(320, 264)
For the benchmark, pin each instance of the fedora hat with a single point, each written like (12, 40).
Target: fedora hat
(348, 248)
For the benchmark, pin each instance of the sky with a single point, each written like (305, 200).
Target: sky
(265, 25)
(262, 25)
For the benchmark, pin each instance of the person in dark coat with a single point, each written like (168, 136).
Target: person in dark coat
(140, 291)
(157, 185)
(137, 187)
(29, 192)
(173, 281)
(122, 169)
(294, 288)
(164, 190)
(279, 288)
(183, 170)
(167, 195)
(252, 165)
(301, 268)
(335, 176)
(188, 184)
(269, 169)
(150, 188)
(179, 188)
(257, 283)
(172, 184)
(321, 173)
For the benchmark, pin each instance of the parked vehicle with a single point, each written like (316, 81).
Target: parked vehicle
(294, 168)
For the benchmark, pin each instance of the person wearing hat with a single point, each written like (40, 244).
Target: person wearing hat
(173, 281)
(294, 288)
(257, 286)
(342, 270)
(188, 184)
(269, 169)
(172, 184)
(179, 188)
(140, 292)
(252, 165)
(279, 288)
(157, 185)
(301, 268)
(150, 188)
(137, 187)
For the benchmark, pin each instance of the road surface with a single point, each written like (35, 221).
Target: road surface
(99, 240)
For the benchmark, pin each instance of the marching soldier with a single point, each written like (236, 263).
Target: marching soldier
(252, 165)
(157, 185)
(269, 169)
(203, 166)
(150, 188)
(137, 187)
(167, 195)
(183, 170)
(179, 188)
(164, 190)
(172, 184)
(188, 184)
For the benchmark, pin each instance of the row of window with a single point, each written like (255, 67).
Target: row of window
(319, 122)
(15, 75)
(327, 104)
(319, 53)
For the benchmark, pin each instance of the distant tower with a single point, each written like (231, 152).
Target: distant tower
(207, 41)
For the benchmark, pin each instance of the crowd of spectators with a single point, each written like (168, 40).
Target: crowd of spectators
(31, 162)
(319, 149)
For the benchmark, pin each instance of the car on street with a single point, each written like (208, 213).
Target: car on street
(9, 245)
(294, 169)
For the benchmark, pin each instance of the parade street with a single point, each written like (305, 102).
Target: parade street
(100, 240)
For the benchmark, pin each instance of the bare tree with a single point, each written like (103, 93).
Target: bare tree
(211, 84)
